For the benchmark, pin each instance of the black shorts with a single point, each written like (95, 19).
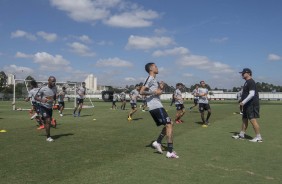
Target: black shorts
(114, 102)
(45, 112)
(196, 101)
(36, 107)
(61, 104)
(79, 101)
(250, 112)
(160, 116)
(133, 105)
(204, 107)
(179, 107)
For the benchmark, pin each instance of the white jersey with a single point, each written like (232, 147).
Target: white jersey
(122, 96)
(81, 91)
(195, 92)
(115, 97)
(49, 94)
(178, 97)
(153, 101)
(203, 99)
(32, 93)
(134, 94)
(61, 96)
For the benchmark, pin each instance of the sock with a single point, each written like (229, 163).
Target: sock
(48, 135)
(169, 147)
(160, 138)
(242, 134)
(258, 136)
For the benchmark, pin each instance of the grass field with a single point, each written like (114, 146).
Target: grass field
(113, 150)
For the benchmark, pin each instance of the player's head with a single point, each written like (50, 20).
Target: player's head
(33, 84)
(137, 86)
(51, 81)
(197, 86)
(246, 73)
(202, 83)
(63, 88)
(179, 85)
(83, 84)
(151, 67)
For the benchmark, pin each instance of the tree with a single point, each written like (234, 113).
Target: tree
(3, 80)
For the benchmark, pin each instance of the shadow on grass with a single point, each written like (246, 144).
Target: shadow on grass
(246, 136)
(199, 122)
(136, 119)
(61, 135)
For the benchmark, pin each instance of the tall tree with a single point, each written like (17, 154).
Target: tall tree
(3, 80)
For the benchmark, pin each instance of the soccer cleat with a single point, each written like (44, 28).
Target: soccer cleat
(205, 126)
(238, 136)
(157, 146)
(33, 116)
(143, 111)
(61, 115)
(256, 139)
(171, 155)
(40, 127)
(178, 121)
(181, 121)
(49, 139)
(129, 118)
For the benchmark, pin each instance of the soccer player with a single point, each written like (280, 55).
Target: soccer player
(250, 103)
(34, 109)
(196, 97)
(134, 94)
(180, 109)
(204, 103)
(61, 97)
(81, 91)
(115, 98)
(152, 89)
(123, 100)
(47, 97)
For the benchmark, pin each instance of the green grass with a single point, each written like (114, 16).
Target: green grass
(113, 150)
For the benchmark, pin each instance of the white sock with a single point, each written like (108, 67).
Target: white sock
(242, 134)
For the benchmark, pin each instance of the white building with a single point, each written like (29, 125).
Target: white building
(91, 82)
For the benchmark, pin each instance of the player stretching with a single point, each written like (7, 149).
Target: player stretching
(134, 94)
(204, 103)
(47, 97)
(61, 97)
(196, 97)
(115, 98)
(178, 100)
(81, 91)
(152, 89)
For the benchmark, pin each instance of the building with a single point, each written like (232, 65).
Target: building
(91, 82)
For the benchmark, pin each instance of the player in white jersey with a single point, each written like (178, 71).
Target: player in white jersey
(61, 97)
(47, 97)
(152, 89)
(123, 100)
(115, 98)
(134, 94)
(81, 91)
(34, 109)
(204, 103)
(196, 97)
(178, 100)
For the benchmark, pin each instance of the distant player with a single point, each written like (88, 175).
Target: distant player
(134, 94)
(123, 100)
(47, 97)
(81, 92)
(152, 89)
(204, 103)
(196, 97)
(178, 100)
(61, 97)
(34, 108)
(115, 98)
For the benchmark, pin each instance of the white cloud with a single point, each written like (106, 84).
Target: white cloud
(49, 62)
(130, 79)
(113, 62)
(274, 57)
(49, 37)
(85, 39)
(23, 55)
(187, 75)
(175, 51)
(219, 40)
(138, 42)
(103, 42)
(19, 71)
(81, 49)
(134, 19)
(118, 13)
(21, 33)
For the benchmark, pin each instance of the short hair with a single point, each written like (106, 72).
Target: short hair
(179, 84)
(83, 83)
(201, 81)
(147, 67)
(33, 83)
(63, 87)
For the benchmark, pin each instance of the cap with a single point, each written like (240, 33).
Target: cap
(246, 70)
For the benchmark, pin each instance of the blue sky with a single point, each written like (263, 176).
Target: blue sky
(189, 40)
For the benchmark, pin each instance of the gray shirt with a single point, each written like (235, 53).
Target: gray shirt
(133, 96)
(178, 97)
(153, 101)
(194, 92)
(81, 91)
(61, 96)
(49, 94)
(203, 99)
(32, 93)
